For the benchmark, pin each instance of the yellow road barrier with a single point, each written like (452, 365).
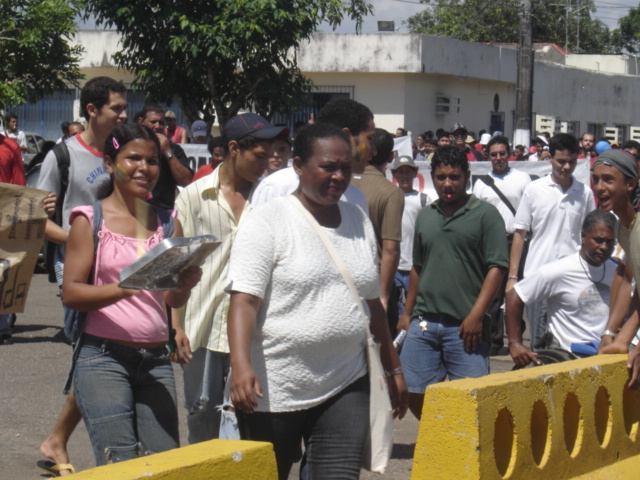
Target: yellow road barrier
(569, 420)
(216, 459)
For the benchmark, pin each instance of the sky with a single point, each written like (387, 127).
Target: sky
(609, 11)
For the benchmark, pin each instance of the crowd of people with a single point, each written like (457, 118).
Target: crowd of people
(274, 324)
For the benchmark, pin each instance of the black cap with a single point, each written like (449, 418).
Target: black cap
(252, 124)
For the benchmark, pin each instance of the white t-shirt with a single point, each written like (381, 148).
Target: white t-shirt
(554, 219)
(578, 307)
(285, 181)
(310, 336)
(18, 136)
(512, 186)
(412, 206)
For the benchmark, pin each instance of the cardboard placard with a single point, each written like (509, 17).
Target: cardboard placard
(22, 224)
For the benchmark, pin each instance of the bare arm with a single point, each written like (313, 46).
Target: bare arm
(389, 357)
(619, 303)
(181, 174)
(241, 324)
(520, 353)
(183, 136)
(471, 328)
(515, 256)
(412, 295)
(55, 233)
(388, 268)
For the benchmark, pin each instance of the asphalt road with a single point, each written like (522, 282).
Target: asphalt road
(35, 369)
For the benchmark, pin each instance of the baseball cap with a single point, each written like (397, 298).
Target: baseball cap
(169, 114)
(484, 139)
(401, 161)
(199, 128)
(252, 124)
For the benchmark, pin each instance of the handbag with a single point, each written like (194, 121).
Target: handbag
(380, 440)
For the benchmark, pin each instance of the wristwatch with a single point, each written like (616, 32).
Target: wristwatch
(608, 332)
(169, 155)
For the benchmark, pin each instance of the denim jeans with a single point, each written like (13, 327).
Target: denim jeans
(402, 287)
(127, 398)
(538, 325)
(334, 433)
(430, 356)
(204, 380)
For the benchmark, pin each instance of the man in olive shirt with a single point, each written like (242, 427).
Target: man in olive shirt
(459, 257)
(386, 203)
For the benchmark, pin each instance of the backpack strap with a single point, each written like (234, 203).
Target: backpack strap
(488, 181)
(63, 159)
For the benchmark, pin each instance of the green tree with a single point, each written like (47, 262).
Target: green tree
(34, 48)
(498, 22)
(220, 56)
(627, 37)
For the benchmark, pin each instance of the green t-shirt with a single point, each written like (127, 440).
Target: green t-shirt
(455, 255)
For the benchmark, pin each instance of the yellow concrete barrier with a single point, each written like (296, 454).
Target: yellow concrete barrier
(570, 420)
(219, 459)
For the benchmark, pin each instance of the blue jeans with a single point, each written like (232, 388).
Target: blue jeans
(127, 398)
(204, 379)
(429, 356)
(402, 286)
(334, 433)
(538, 325)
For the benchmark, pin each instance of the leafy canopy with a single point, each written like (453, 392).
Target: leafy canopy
(627, 37)
(34, 50)
(220, 56)
(498, 22)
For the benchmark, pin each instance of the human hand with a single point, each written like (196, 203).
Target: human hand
(471, 333)
(189, 278)
(510, 283)
(245, 387)
(613, 348)
(399, 395)
(605, 341)
(521, 355)
(404, 321)
(165, 144)
(183, 347)
(50, 202)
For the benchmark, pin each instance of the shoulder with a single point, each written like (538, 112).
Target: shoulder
(83, 211)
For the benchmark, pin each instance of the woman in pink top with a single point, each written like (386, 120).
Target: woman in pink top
(123, 379)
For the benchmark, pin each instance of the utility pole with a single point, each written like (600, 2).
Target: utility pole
(524, 84)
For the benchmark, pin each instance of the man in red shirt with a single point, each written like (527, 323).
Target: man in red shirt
(11, 166)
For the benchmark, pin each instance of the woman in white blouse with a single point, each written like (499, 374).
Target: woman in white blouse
(297, 337)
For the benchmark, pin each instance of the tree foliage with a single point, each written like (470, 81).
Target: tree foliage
(220, 56)
(627, 37)
(34, 50)
(498, 22)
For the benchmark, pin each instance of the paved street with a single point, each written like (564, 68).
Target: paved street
(34, 371)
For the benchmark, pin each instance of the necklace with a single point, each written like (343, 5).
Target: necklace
(586, 272)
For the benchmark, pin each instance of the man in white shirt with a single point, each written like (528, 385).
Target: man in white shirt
(576, 288)
(552, 209)
(13, 132)
(503, 188)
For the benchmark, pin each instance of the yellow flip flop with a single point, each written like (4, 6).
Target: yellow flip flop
(53, 468)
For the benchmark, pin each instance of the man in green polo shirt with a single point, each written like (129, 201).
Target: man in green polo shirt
(459, 257)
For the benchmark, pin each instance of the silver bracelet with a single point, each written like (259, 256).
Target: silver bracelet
(512, 277)
(394, 372)
(608, 332)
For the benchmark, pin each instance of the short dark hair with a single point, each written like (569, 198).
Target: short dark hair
(587, 133)
(403, 131)
(433, 142)
(308, 135)
(117, 139)
(443, 133)
(598, 217)
(499, 140)
(563, 141)
(10, 117)
(449, 155)
(346, 113)
(630, 144)
(383, 142)
(64, 126)
(218, 142)
(148, 108)
(96, 92)
(520, 147)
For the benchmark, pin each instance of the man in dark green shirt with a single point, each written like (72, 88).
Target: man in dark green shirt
(459, 257)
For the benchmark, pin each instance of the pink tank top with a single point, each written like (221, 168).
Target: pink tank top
(177, 134)
(139, 318)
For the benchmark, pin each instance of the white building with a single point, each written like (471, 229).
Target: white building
(423, 82)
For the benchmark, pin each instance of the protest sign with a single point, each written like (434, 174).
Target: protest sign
(197, 154)
(22, 224)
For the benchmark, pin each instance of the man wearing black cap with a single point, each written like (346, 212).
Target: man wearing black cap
(214, 205)
(458, 137)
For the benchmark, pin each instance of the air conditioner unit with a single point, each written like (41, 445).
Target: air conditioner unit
(447, 105)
